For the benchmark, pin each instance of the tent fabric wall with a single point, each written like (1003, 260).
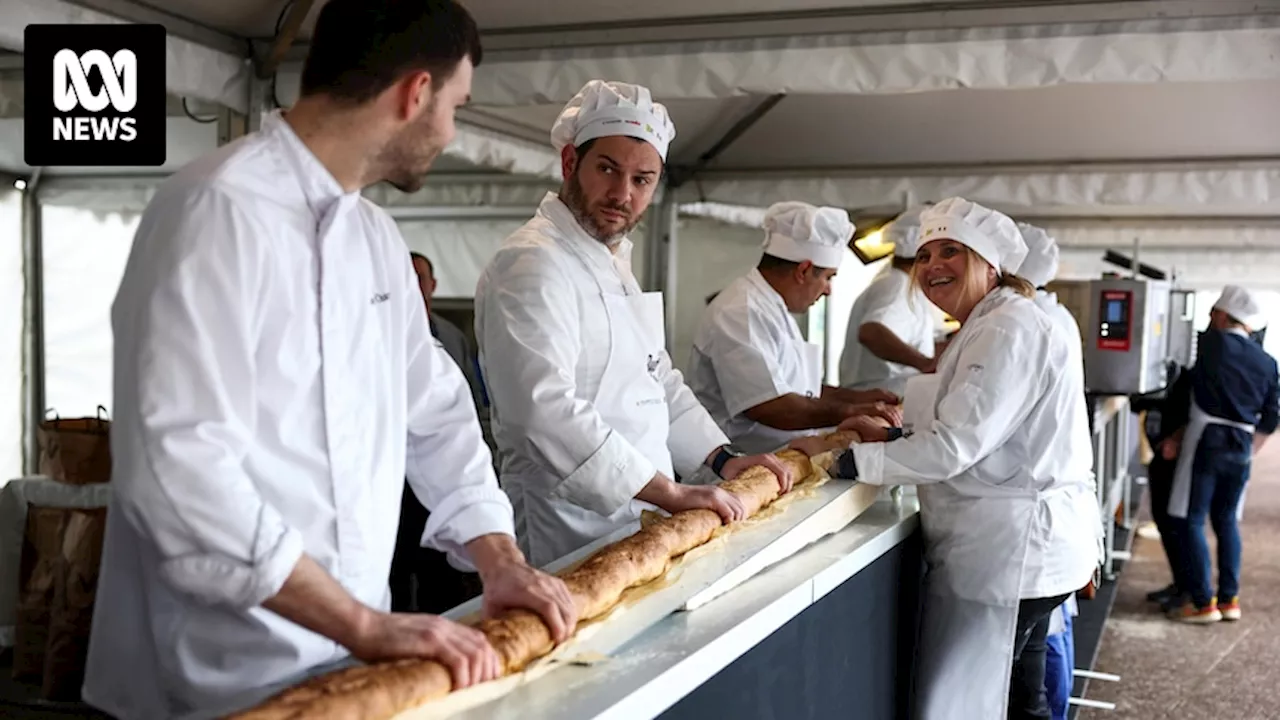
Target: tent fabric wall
(1186, 190)
(84, 258)
(191, 70)
(11, 327)
(458, 249)
(1177, 50)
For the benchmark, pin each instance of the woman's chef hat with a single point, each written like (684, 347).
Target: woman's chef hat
(1041, 264)
(602, 109)
(992, 235)
(1241, 305)
(799, 231)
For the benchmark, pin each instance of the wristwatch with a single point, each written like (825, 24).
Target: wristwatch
(726, 453)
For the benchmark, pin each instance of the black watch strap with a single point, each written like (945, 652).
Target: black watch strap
(723, 456)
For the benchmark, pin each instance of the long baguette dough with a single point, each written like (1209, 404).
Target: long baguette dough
(375, 692)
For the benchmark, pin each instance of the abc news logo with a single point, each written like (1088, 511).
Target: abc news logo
(95, 95)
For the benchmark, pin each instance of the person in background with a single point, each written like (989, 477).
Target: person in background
(891, 326)
(1166, 414)
(1004, 468)
(422, 578)
(591, 419)
(451, 336)
(275, 383)
(1235, 407)
(750, 366)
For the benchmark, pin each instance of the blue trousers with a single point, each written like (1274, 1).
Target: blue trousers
(1060, 661)
(1218, 476)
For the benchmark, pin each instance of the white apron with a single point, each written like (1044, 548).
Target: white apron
(970, 613)
(1180, 494)
(632, 401)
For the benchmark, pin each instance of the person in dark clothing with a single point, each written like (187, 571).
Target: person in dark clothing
(422, 580)
(1235, 407)
(1165, 415)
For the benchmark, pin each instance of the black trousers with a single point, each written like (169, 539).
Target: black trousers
(1027, 698)
(422, 580)
(1160, 484)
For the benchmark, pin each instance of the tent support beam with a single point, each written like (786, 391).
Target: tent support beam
(680, 175)
(33, 368)
(269, 62)
(137, 12)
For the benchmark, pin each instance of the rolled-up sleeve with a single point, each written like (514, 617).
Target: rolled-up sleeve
(185, 327)
(746, 356)
(527, 317)
(447, 463)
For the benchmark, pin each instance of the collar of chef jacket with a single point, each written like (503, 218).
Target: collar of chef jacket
(319, 186)
(595, 252)
(775, 301)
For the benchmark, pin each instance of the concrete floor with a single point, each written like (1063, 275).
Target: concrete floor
(1226, 671)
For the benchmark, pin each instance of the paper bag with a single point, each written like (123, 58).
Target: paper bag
(37, 575)
(75, 587)
(76, 451)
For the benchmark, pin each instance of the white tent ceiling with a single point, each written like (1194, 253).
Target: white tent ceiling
(1055, 109)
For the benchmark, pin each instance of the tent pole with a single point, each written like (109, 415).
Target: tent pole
(33, 370)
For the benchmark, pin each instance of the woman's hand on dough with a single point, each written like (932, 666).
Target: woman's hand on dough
(812, 445)
(465, 651)
(867, 428)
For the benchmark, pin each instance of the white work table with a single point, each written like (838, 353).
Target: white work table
(674, 657)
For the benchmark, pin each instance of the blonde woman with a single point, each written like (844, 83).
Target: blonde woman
(1003, 464)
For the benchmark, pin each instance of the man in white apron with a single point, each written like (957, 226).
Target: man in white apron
(1234, 409)
(750, 366)
(590, 418)
(891, 325)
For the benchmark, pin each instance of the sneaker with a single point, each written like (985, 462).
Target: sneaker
(1195, 615)
(1173, 604)
(1163, 594)
(1231, 609)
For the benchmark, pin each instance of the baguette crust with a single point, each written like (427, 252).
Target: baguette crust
(382, 690)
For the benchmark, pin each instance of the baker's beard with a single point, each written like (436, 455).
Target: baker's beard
(408, 156)
(576, 200)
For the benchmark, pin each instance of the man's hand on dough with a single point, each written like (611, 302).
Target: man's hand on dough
(509, 582)
(735, 466)
(891, 413)
(465, 651)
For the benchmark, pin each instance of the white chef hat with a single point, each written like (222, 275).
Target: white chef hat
(799, 231)
(602, 109)
(904, 232)
(1241, 305)
(1041, 264)
(991, 234)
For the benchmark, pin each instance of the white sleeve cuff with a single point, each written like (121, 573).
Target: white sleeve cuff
(609, 479)
(468, 514)
(869, 458)
(693, 436)
(215, 578)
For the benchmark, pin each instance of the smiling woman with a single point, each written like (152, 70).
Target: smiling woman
(955, 278)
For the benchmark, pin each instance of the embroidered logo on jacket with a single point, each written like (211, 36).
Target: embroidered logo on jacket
(380, 298)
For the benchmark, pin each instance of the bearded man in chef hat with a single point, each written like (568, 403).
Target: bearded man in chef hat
(591, 420)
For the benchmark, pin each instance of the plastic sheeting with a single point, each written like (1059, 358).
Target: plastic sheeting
(192, 70)
(1200, 50)
(11, 310)
(459, 250)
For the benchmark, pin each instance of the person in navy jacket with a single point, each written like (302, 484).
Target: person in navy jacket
(1235, 407)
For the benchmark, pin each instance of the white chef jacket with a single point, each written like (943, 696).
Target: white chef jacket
(544, 330)
(275, 382)
(748, 350)
(1063, 318)
(1010, 418)
(894, 302)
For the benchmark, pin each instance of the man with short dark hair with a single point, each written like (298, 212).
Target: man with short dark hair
(275, 383)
